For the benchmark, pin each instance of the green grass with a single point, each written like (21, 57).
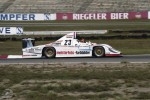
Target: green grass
(76, 21)
(126, 46)
(101, 24)
(104, 26)
(129, 46)
(143, 95)
(72, 82)
(19, 74)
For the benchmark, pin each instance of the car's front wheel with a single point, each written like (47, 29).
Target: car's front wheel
(98, 51)
(49, 52)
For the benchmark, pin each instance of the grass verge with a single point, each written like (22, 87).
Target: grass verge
(100, 24)
(82, 81)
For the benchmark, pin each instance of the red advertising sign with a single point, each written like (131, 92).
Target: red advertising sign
(102, 16)
(64, 16)
(116, 16)
(90, 16)
(138, 15)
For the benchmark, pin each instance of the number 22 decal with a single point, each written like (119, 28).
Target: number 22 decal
(67, 42)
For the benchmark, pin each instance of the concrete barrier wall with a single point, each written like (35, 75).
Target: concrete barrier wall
(65, 32)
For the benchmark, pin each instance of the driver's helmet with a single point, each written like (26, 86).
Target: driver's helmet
(82, 40)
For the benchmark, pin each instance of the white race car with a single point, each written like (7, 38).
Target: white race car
(67, 46)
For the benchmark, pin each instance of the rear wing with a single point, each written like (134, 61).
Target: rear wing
(28, 42)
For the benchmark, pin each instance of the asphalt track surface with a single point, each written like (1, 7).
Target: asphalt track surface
(125, 58)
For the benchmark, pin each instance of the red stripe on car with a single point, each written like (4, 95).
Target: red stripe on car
(112, 55)
(3, 56)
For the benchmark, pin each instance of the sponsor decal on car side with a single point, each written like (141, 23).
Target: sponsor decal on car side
(33, 50)
(65, 52)
(69, 36)
(82, 52)
(72, 52)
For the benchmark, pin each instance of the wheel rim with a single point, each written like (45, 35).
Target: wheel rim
(99, 51)
(49, 52)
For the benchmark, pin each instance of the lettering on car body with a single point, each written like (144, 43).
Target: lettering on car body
(65, 52)
(33, 50)
(82, 52)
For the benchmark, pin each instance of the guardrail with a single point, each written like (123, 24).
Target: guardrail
(65, 32)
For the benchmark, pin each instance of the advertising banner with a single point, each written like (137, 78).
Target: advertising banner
(138, 15)
(11, 30)
(26, 17)
(102, 16)
(149, 15)
(64, 16)
(90, 16)
(74, 16)
(117, 16)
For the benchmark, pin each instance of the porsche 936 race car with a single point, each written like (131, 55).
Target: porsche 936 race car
(66, 46)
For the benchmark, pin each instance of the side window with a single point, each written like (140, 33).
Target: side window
(27, 43)
(67, 42)
(24, 44)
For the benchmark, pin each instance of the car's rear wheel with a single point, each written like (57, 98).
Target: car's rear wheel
(98, 51)
(49, 52)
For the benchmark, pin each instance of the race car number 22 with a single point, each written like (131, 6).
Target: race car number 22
(67, 42)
